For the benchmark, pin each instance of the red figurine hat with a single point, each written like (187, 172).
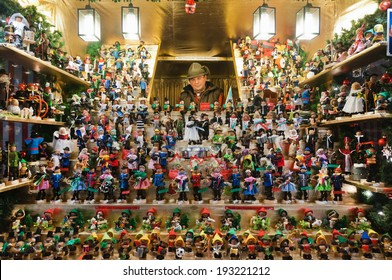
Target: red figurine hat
(262, 209)
(50, 211)
(172, 232)
(307, 210)
(261, 233)
(305, 234)
(346, 140)
(335, 232)
(205, 211)
(359, 210)
(152, 210)
(217, 231)
(338, 170)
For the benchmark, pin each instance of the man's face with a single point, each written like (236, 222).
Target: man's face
(198, 83)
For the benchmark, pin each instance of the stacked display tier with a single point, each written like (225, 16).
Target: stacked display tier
(364, 58)
(378, 116)
(10, 118)
(5, 188)
(18, 56)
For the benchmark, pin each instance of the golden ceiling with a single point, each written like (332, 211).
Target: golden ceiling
(205, 33)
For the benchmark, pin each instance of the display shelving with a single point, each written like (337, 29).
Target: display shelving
(364, 58)
(37, 65)
(15, 186)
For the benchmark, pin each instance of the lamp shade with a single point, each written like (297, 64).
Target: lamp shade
(308, 23)
(130, 23)
(264, 23)
(89, 24)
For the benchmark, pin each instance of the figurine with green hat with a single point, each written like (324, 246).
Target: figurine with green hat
(343, 248)
(386, 245)
(126, 221)
(383, 101)
(266, 247)
(177, 221)
(285, 222)
(231, 220)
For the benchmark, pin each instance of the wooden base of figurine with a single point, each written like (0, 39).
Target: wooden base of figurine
(158, 201)
(217, 201)
(250, 202)
(197, 202)
(139, 201)
(70, 201)
(13, 182)
(323, 202)
(183, 202)
(42, 201)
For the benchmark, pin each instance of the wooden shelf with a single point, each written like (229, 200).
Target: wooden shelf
(358, 118)
(10, 118)
(369, 186)
(33, 63)
(366, 57)
(15, 186)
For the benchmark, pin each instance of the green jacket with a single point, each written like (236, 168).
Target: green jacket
(210, 95)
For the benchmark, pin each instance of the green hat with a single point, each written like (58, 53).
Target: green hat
(341, 239)
(191, 232)
(384, 94)
(386, 235)
(176, 210)
(278, 232)
(266, 237)
(228, 211)
(281, 211)
(349, 232)
(231, 231)
(196, 70)
(127, 212)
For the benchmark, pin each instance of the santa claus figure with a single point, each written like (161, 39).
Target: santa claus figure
(190, 7)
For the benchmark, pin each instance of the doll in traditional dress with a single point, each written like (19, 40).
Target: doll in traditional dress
(182, 185)
(141, 184)
(41, 181)
(287, 187)
(250, 187)
(355, 100)
(323, 184)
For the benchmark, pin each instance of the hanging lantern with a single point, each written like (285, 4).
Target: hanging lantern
(308, 22)
(264, 23)
(130, 22)
(89, 24)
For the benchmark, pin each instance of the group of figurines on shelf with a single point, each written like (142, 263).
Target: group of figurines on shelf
(256, 151)
(330, 237)
(271, 63)
(278, 69)
(31, 101)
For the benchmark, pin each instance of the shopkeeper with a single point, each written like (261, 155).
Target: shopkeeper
(199, 90)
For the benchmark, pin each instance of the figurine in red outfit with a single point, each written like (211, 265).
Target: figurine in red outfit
(346, 152)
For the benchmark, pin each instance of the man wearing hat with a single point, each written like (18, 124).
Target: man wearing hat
(199, 89)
